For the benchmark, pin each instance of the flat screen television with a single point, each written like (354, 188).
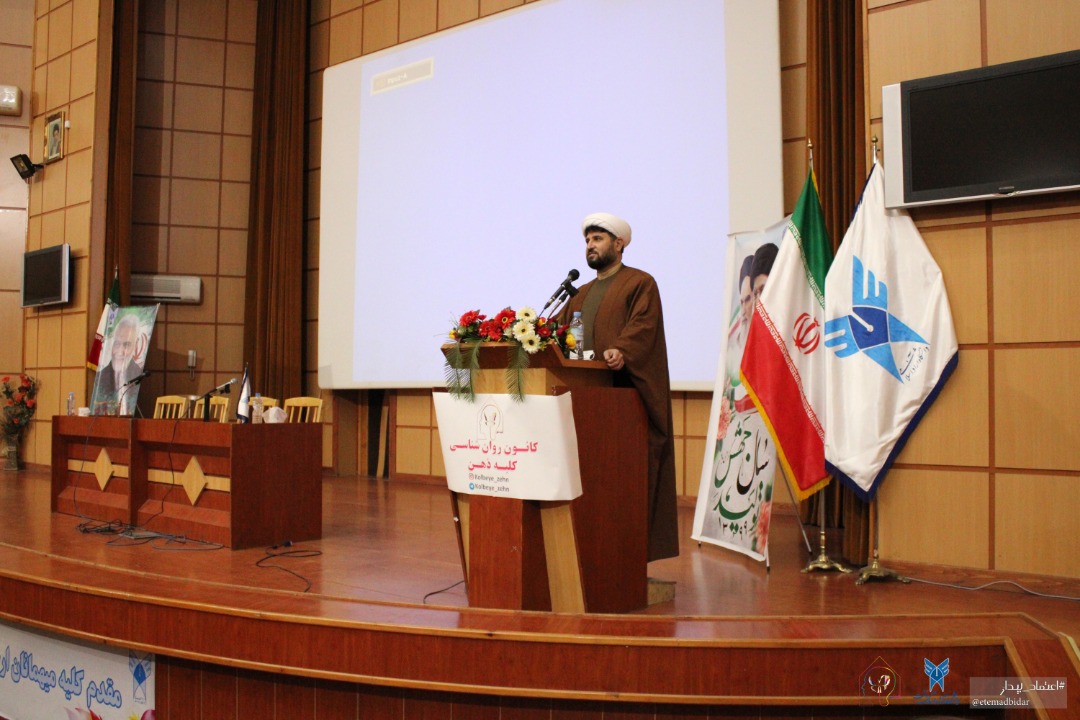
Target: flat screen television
(992, 132)
(46, 276)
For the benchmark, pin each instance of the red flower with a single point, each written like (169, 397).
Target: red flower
(30, 403)
(470, 317)
(6, 378)
(543, 331)
(506, 318)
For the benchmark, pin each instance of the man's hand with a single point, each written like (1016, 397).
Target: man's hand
(614, 358)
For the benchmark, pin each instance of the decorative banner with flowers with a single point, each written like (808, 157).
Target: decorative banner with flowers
(526, 332)
(20, 404)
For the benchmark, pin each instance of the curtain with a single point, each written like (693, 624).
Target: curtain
(118, 201)
(837, 127)
(274, 302)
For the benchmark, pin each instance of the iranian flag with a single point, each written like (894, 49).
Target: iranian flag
(111, 303)
(783, 365)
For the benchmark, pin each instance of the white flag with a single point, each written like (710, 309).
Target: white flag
(890, 340)
(243, 407)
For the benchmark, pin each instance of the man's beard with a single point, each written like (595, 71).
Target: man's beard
(600, 262)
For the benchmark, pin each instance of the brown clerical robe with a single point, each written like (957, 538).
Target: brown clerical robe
(631, 319)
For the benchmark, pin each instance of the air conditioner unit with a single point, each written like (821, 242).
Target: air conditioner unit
(166, 289)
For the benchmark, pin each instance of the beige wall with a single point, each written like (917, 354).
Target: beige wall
(990, 480)
(16, 68)
(192, 182)
(992, 477)
(65, 76)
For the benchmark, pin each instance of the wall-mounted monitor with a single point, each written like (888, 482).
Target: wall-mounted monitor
(46, 278)
(992, 132)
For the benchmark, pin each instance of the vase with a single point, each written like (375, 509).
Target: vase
(11, 452)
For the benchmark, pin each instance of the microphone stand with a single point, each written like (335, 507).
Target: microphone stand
(206, 401)
(565, 293)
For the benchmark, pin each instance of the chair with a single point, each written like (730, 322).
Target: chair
(268, 402)
(303, 409)
(171, 406)
(219, 409)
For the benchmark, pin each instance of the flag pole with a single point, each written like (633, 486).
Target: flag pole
(822, 561)
(874, 571)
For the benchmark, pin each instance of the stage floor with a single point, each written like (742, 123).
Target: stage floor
(394, 542)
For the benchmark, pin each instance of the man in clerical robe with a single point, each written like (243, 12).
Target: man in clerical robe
(624, 326)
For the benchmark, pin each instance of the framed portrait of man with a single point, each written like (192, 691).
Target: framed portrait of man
(54, 137)
(123, 360)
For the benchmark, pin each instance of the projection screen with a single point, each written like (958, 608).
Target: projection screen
(456, 170)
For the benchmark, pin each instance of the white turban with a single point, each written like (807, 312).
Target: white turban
(614, 225)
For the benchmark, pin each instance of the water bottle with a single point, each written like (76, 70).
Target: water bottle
(256, 408)
(71, 403)
(577, 330)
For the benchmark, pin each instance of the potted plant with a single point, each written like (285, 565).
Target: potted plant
(19, 405)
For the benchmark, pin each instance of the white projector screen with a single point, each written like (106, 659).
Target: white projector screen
(456, 170)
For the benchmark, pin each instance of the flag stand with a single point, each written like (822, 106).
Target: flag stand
(874, 571)
(823, 561)
(802, 528)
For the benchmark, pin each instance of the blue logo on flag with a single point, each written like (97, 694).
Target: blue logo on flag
(936, 673)
(870, 328)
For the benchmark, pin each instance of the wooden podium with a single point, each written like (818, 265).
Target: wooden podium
(584, 555)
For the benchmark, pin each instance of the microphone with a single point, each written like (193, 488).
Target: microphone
(137, 379)
(565, 287)
(223, 387)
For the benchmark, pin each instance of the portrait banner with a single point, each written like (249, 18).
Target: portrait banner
(734, 504)
(123, 359)
(502, 447)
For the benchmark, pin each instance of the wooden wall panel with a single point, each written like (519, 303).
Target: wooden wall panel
(961, 255)
(906, 42)
(1035, 269)
(937, 517)
(954, 430)
(1017, 30)
(1035, 391)
(413, 456)
(1037, 511)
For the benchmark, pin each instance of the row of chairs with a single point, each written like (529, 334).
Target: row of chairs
(297, 409)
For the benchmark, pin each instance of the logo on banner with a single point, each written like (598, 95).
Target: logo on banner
(936, 673)
(872, 330)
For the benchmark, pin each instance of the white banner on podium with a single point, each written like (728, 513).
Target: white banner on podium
(505, 448)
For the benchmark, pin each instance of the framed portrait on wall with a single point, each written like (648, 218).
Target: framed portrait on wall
(54, 137)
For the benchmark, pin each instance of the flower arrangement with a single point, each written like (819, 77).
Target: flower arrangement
(20, 403)
(526, 332)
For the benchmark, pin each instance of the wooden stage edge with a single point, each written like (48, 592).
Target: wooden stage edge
(457, 656)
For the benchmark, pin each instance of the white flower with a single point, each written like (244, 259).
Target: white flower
(522, 328)
(530, 342)
(527, 314)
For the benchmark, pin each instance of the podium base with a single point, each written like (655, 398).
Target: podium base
(661, 591)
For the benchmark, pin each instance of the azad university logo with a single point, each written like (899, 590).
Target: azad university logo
(872, 330)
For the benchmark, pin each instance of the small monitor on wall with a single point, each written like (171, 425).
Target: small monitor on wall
(987, 133)
(46, 276)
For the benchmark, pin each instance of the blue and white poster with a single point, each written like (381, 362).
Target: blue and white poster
(48, 676)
